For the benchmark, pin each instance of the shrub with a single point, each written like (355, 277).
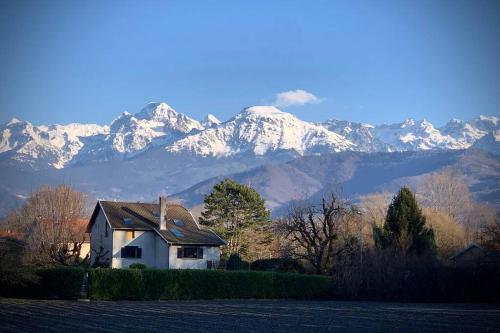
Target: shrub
(137, 266)
(235, 263)
(60, 282)
(64, 282)
(153, 284)
(278, 264)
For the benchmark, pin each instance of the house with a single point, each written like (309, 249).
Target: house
(476, 256)
(163, 235)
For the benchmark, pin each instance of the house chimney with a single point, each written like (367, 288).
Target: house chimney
(163, 217)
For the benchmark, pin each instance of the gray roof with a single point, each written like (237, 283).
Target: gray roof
(145, 216)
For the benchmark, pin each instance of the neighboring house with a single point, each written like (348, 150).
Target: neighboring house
(476, 256)
(163, 235)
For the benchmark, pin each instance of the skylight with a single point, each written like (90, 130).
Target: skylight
(176, 232)
(179, 222)
(127, 220)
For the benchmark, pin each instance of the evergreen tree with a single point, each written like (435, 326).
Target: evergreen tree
(234, 209)
(404, 229)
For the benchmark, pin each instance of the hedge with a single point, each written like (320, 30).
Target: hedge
(60, 282)
(154, 284)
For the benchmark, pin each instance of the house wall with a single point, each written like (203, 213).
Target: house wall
(209, 253)
(162, 257)
(143, 239)
(98, 239)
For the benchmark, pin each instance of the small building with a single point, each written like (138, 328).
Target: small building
(163, 235)
(476, 256)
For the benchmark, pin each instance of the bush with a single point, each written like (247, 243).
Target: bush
(62, 283)
(137, 266)
(278, 264)
(407, 279)
(235, 263)
(153, 284)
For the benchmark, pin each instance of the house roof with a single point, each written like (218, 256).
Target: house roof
(467, 249)
(181, 226)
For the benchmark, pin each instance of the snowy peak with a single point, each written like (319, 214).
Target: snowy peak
(256, 130)
(261, 130)
(263, 111)
(210, 121)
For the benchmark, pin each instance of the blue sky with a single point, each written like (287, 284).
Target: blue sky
(374, 61)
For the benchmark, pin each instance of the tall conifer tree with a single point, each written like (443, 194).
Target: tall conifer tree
(404, 230)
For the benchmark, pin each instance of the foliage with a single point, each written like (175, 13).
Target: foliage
(286, 265)
(231, 209)
(137, 266)
(13, 271)
(404, 230)
(490, 237)
(50, 221)
(58, 282)
(320, 235)
(152, 284)
(384, 277)
(235, 263)
(446, 191)
(448, 234)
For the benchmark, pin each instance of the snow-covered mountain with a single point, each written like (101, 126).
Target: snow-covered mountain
(210, 121)
(261, 130)
(156, 124)
(255, 131)
(159, 150)
(45, 146)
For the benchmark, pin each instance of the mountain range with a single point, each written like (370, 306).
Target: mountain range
(159, 150)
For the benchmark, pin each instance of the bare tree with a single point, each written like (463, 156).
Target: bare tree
(447, 192)
(449, 235)
(480, 217)
(55, 231)
(374, 206)
(319, 235)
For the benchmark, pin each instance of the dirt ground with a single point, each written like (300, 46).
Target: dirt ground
(245, 316)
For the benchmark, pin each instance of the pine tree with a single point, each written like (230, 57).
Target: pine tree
(234, 209)
(404, 230)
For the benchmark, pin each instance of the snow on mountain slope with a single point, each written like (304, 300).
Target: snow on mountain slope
(255, 131)
(39, 146)
(360, 134)
(156, 124)
(413, 135)
(210, 121)
(262, 129)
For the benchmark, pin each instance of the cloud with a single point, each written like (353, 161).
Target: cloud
(295, 97)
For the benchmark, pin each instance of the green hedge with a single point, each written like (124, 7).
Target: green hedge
(152, 284)
(60, 282)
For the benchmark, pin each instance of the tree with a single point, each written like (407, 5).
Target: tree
(447, 192)
(319, 235)
(232, 210)
(490, 236)
(449, 235)
(49, 221)
(374, 208)
(404, 229)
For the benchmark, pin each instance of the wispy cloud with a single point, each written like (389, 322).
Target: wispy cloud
(295, 97)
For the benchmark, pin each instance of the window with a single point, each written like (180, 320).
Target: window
(190, 252)
(130, 234)
(176, 232)
(106, 230)
(127, 221)
(131, 252)
(179, 222)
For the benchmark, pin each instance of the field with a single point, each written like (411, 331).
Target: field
(245, 316)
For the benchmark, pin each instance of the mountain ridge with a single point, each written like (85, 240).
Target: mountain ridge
(257, 129)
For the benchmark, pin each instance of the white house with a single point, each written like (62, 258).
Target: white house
(163, 235)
